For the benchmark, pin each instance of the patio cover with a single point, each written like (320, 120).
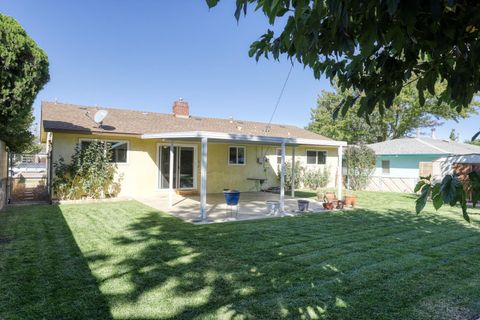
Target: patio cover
(205, 136)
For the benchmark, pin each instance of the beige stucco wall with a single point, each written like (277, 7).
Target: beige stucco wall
(140, 173)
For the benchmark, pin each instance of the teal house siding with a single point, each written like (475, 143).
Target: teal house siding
(402, 166)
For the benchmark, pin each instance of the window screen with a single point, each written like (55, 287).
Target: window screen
(236, 155)
(385, 166)
(316, 157)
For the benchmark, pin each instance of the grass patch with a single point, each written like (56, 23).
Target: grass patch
(128, 261)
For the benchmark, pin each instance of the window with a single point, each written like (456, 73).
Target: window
(118, 149)
(236, 155)
(385, 166)
(316, 157)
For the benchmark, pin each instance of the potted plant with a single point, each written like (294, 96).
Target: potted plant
(328, 205)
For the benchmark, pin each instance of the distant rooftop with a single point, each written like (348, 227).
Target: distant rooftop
(423, 145)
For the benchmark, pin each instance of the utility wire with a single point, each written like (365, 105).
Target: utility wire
(267, 128)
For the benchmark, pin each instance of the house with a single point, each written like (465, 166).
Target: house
(400, 162)
(201, 154)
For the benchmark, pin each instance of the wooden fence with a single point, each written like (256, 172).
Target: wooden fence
(462, 170)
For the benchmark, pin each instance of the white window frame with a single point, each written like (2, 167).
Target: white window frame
(195, 165)
(110, 140)
(316, 162)
(244, 155)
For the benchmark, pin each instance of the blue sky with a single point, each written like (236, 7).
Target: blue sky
(146, 54)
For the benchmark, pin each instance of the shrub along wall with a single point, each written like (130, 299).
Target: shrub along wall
(3, 174)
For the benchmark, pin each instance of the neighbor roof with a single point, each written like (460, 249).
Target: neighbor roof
(423, 145)
(62, 117)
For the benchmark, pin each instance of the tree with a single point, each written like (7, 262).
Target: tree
(360, 165)
(453, 135)
(405, 115)
(23, 73)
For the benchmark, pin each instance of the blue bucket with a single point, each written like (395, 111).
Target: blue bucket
(232, 197)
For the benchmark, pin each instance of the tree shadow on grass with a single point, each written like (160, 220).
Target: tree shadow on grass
(359, 264)
(43, 274)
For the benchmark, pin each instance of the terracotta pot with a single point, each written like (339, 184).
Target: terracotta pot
(340, 205)
(328, 205)
(350, 200)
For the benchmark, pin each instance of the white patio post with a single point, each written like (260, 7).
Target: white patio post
(339, 173)
(203, 180)
(282, 180)
(170, 177)
(293, 171)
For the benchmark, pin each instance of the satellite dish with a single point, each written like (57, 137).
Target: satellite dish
(100, 116)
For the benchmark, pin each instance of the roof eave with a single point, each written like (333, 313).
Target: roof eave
(242, 138)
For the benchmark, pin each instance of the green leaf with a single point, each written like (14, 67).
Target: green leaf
(462, 199)
(422, 200)
(212, 3)
(448, 189)
(241, 5)
(475, 136)
(436, 197)
(419, 186)
(421, 97)
(437, 201)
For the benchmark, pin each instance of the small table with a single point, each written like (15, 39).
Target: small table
(258, 182)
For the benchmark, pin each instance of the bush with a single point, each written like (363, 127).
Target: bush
(360, 164)
(316, 178)
(313, 178)
(288, 174)
(89, 174)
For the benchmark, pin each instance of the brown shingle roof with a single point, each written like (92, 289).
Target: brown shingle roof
(75, 118)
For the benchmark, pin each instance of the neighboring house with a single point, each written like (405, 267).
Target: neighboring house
(400, 162)
(209, 154)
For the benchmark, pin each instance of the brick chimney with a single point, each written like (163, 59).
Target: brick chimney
(181, 109)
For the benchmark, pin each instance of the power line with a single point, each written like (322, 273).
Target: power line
(267, 128)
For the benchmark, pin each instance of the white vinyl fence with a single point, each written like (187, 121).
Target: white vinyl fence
(392, 184)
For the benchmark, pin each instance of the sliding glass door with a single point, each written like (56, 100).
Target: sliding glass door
(183, 167)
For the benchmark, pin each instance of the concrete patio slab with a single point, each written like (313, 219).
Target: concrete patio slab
(252, 205)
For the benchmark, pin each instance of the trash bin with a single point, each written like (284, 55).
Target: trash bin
(273, 207)
(303, 205)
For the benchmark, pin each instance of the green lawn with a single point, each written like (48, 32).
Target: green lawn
(127, 261)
